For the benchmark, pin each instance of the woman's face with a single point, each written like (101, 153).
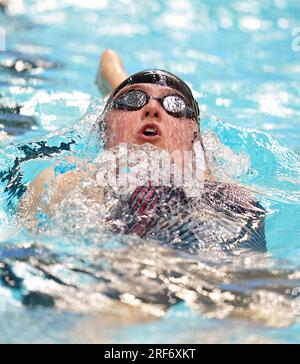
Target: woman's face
(170, 133)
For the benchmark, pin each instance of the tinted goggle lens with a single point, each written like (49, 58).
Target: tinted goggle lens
(131, 100)
(174, 104)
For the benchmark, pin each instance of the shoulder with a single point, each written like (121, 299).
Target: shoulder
(240, 205)
(234, 198)
(52, 184)
(63, 174)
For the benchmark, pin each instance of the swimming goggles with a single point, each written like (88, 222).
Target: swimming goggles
(133, 100)
(161, 78)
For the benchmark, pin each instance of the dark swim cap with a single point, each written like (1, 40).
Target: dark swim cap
(162, 78)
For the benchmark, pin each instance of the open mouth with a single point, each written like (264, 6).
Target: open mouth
(150, 131)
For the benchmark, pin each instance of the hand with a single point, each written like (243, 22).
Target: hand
(111, 71)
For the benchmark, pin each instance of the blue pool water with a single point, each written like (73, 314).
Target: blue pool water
(239, 58)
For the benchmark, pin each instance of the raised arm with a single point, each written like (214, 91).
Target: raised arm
(111, 72)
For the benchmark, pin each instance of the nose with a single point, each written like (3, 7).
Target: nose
(152, 110)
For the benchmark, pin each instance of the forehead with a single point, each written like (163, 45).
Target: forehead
(153, 89)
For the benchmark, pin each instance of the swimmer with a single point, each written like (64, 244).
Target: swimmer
(157, 108)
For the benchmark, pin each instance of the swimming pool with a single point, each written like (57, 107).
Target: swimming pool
(241, 59)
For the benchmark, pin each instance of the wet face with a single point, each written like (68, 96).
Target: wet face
(150, 124)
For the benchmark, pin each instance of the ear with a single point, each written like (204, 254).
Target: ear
(196, 136)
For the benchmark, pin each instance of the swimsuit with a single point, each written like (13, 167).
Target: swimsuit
(223, 217)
